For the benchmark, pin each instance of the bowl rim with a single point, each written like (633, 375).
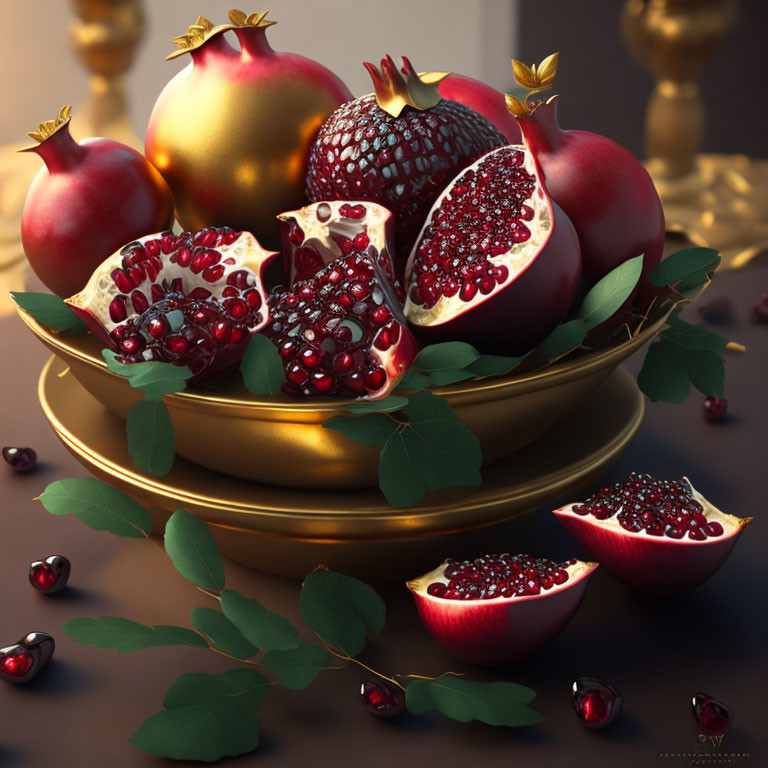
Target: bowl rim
(489, 388)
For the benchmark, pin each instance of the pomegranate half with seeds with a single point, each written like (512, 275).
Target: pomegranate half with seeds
(341, 333)
(321, 232)
(499, 609)
(659, 537)
(497, 263)
(192, 299)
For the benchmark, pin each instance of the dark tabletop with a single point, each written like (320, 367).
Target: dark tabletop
(85, 705)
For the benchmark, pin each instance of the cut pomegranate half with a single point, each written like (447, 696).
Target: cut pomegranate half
(497, 263)
(499, 609)
(341, 333)
(657, 536)
(317, 234)
(192, 299)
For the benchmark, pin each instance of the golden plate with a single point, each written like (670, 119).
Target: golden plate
(288, 531)
(282, 442)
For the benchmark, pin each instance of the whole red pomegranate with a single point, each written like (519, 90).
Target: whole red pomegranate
(398, 147)
(606, 192)
(497, 263)
(232, 131)
(91, 197)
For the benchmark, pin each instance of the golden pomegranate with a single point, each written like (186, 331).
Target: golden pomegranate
(231, 133)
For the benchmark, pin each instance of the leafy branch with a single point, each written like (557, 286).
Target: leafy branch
(208, 717)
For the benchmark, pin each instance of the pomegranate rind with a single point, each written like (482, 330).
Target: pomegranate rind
(655, 565)
(500, 630)
(541, 284)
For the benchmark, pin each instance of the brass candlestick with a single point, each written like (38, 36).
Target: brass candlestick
(716, 200)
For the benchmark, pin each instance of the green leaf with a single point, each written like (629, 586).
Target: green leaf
(262, 627)
(262, 368)
(413, 380)
(99, 506)
(207, 717)
(193, 550)
(706, 370)
(565, 338)
(299, 667)
(610, 292)
(223, 633)
(663, 375)
(494, 365)
(449, 354)
(339, 608)
(151, 442)
(682, 264)
(391, 403)
(155, 378)
(125, 635)
(693, 336)
(370, 429)
(49, 310)
(446, 376)
(399, 479)
(465, 700)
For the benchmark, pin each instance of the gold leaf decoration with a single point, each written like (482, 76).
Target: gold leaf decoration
(514, 105)
(197, 34)
(523, 74)
(547, 71)
(397, 89)
(535, 79)
(239, 19)
(46, 129)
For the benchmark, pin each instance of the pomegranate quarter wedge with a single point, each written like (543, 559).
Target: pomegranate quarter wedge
(497, 264)
(499, 609)
(659, 537)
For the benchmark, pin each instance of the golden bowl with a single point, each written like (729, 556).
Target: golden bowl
(282, 442)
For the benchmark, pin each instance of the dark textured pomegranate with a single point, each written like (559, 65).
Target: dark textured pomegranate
(499, 609)
(341, 333)
(658, 536)
(497, 263)
(22, 661)
(605, 191)
(20, 459)
(51, 575)
(715, 408)
(91, 197)
(192, 299)
(398, 147)
(321, 232)
(712, 715)
(382, 699)
(595, 702)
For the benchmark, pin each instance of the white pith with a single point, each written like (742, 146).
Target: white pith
(576, 573)
(731, 524)
(317, 234)
(517, 260)
(101, 289)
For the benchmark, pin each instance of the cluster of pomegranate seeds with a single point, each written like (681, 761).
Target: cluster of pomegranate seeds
(658, 507)
(499, 576)
(484, 216)
(326, 330)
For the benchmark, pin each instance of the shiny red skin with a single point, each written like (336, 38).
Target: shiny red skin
(91, 198)
(501, 630)
(516, 319)
(484, 99)
(605, 191)
(653, 565)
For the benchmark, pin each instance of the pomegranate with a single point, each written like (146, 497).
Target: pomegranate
(712, 715)
(51, 575)
(382, 699)
(232, 131)
(595, 702)
(192, 299)
(499, 609)
(397, 147)
(657, 536)
(321, 232)
(484, 99)
(22, 661)
(342, 332)
(604, 189)
(91, 197)
(20, 459)
(497, 263)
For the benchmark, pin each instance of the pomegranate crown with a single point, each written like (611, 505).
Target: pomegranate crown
(46, 129)
(535, 79)
(396, 89)
(203, 30)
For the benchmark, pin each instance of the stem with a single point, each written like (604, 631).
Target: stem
(214, 595)
(427, 677)
(733, 346)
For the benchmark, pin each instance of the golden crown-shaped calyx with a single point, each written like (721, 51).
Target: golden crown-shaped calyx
(203, 30)
(396, 89)
(535, 79)
(239, 19)
(49, 127)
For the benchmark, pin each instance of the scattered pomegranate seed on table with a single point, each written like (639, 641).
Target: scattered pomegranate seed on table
(715, 408)
(595, 702)
(22, 661)
(382, 699)
(20, 459)
(712, 715)
(51, 575)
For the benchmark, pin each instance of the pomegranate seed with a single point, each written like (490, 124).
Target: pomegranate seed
(296, 233)
(361, 241)
(253, 298)
(437, 589)
(322, 382)
(122, 281)
(375, 379)
(468, 291)
(50, 576)
(382, 699)
(214, 273)
(117, 309)
(595, 702)
(20, 459)
(343, 362)
(297, 374)
(715, 408)
(158, 327)
(712, 715)
(140, 302)
(177, 345)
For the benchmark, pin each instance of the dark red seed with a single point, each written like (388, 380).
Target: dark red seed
(715, 408)
(712, 715)
(382, 699)
(595, 702)
(20, 459)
